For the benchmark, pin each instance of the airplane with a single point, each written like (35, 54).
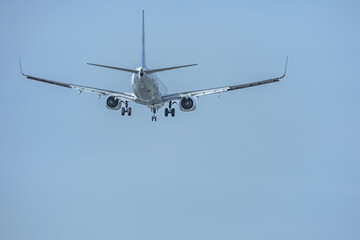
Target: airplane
(148, 90)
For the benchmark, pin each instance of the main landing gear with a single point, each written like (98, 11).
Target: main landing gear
(126, 109)
(170, 110)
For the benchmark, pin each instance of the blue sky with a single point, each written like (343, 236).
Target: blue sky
(279, 161)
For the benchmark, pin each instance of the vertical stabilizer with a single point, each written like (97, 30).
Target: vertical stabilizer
(143, 64)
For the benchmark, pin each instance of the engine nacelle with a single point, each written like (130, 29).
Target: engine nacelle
(187, 104)
(113, 103)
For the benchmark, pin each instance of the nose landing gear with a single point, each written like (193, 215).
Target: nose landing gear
(154, 117)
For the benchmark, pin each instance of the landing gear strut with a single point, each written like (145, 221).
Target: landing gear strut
(170, 110)
(154, 118)
(126, 109)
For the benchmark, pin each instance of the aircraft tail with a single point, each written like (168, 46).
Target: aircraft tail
(143, 63)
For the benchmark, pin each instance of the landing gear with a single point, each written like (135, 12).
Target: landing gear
(126, 109)
(170, 110)
(154, 118)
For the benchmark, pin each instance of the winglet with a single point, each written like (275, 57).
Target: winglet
(21, 67)
(285, 68)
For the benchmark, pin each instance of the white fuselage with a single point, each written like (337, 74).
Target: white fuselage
(148, 89)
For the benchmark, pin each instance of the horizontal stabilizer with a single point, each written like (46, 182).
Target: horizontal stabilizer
(166, 69)
(116, 68)
(149, 71)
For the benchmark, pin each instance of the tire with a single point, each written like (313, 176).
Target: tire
(173, 112)
(122, 111)
(166, 112)
(129, 111)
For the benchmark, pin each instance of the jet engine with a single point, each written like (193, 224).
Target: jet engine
(113, 103)
(187, 104)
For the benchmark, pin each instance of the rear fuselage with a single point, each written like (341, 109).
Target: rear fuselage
(148, 89)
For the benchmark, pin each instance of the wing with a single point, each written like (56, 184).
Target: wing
(198, 93)
(100, 92)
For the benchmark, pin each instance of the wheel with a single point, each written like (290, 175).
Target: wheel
(166, 112)
(173, 112)
(129, 111)
(122, 111)
(155, 118)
